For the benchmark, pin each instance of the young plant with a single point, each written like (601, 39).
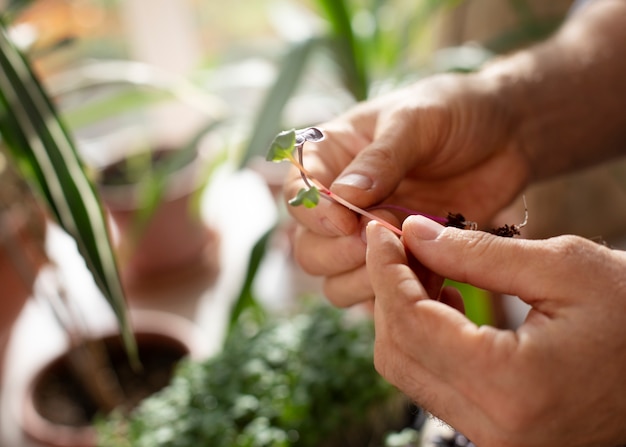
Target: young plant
(292, 141)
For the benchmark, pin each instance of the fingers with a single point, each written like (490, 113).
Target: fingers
(349, 288)
(341, 260)
(327, 218)
(324, 256)
(325, 160)
(532, 270)
(421, 343)
(405, 302)
(377, 170)
(506, 381)
(453, 298)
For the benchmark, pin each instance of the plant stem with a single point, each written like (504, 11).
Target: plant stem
(340, 200)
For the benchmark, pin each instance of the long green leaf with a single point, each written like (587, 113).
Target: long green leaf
(269, 117)
(349, 54)
(247, 302)
(45, 153)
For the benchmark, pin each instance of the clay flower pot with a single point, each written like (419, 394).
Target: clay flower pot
(22, 238)
(56, 411)
(174, 240)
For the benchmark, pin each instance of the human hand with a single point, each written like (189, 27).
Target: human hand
(445, 144)
(556, 380)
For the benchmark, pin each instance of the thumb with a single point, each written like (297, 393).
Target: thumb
(376, 171)
(529, 269)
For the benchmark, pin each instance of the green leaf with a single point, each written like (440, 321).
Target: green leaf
(349, 54)
(308, 197)
(246, 302)
(47, 157)
(270, 114)
(282, 147)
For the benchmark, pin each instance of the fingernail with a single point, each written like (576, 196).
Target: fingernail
(422, 227)
(367, 228)
(355, 180)
(364, 232)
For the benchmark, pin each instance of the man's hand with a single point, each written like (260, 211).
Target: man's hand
(445, 144)
(557, 380)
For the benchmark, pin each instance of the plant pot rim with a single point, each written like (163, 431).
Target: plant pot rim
(180, 183)
(170, 326)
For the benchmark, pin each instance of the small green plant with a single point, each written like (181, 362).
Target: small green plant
(299, 381)
(41, 147)
(288, 142)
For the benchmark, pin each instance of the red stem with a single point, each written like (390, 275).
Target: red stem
(340, 200)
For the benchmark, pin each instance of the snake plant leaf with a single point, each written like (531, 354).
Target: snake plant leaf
(47, 157)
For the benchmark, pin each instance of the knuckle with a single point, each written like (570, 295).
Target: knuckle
(568, 245)
(575, 252)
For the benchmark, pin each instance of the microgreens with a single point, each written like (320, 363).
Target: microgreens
(292, 141)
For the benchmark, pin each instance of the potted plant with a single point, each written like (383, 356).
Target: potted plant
(305, 380)
(59, 407)
(151, 162)
(22, 237)
(37, 142)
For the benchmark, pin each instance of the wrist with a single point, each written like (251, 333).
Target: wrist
(566, 94)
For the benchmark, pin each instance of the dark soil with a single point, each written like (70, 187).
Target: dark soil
(132, 169)
(61, 399)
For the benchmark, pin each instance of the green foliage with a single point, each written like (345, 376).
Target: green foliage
(363, 58)
(293, 382)
(345, 47)
(246, 306)
(45, 154)
(269, 119)
(478, 307)
(309, 197)
(282, 147)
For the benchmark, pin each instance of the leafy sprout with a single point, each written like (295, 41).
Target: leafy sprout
(292, 141)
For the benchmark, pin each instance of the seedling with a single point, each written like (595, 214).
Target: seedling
(289, 145)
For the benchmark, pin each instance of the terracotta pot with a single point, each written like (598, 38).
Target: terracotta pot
(22, 238)
(175, 239)
(15, 292)
(162, 339)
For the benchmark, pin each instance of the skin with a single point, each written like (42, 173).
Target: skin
(465, 143)
(471, 144)
(556, 380)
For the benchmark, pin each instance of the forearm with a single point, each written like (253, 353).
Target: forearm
(568, 94)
